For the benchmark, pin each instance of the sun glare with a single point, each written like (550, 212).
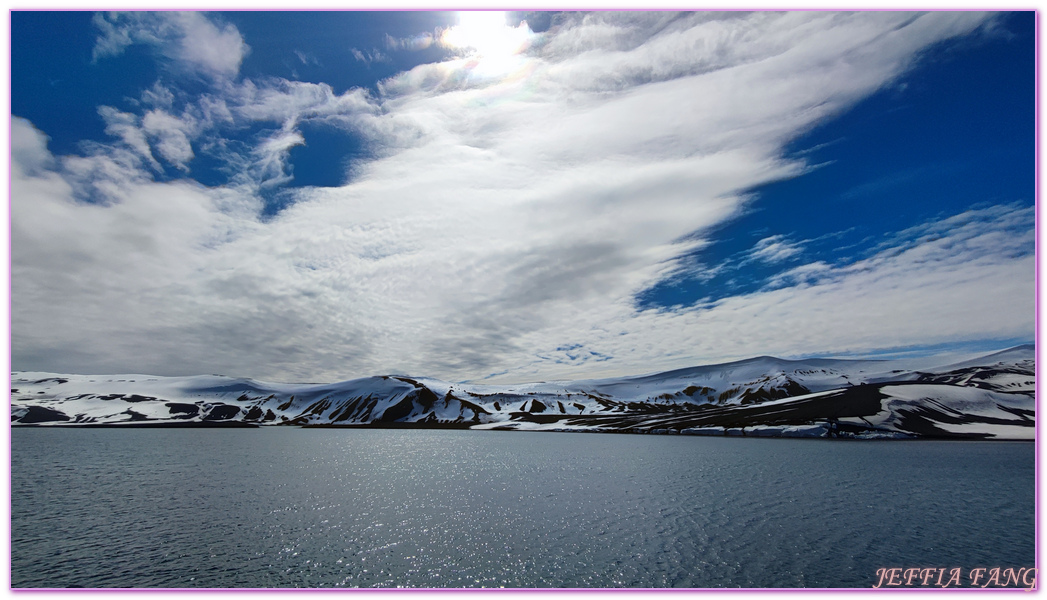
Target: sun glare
(487, 33)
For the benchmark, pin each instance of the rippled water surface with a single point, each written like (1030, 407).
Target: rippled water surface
(287, 507)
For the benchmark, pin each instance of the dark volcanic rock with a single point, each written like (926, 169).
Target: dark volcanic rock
(425, 397)
(135, 416)
(222, 412)
(421, 396)
(317, 408)
(399, 410)
(859, 401)
(39, 414)
(355, 410)
(791, 388)
(691, 390)
(178, 408)
(921, 420)
(535, 418)
(476, 408)
(977, 376)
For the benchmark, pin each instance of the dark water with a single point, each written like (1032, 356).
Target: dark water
(286, 507)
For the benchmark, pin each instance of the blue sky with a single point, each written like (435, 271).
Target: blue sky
(516, 196)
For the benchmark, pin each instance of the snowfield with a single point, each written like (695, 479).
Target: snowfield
(987, 398)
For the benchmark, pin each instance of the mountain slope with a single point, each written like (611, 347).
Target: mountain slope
(987, 398)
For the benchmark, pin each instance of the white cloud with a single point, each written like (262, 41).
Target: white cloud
(775, 249)
(965, 277)
(28, 148)
(126, 127)
(213, 111)
(282, 101)
(189, 39)
(115, 36)
(375, 55)
(513, 209)
(306, 57)
(171, 136)
(159, 96)
(233, 106)
(418, 42)
(272, 155)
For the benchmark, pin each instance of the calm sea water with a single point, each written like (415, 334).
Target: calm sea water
(286, 507)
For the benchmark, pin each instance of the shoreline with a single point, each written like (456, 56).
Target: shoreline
(468, 426)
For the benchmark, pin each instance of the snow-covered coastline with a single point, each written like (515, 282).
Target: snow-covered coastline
(987, 398)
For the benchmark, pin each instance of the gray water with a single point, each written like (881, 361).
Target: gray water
(287, 507)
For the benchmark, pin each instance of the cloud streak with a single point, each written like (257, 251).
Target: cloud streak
(190, 41)
(775, 249)
(512, 209)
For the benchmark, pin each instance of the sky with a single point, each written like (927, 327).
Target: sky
(506, 197)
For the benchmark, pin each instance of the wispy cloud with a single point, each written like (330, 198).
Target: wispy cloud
(272, 155)
(170, 136)
(416, 42)
(126, 127)
(306, 58)
(775, 249)
(367, 58)
(890, 182)
(191, 41)
(512, 209)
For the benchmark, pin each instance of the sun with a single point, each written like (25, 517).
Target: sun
(486, 33)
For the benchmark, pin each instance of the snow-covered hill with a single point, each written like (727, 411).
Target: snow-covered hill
(991, 397)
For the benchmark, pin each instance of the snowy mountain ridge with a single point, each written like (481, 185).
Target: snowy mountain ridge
(987, 398)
